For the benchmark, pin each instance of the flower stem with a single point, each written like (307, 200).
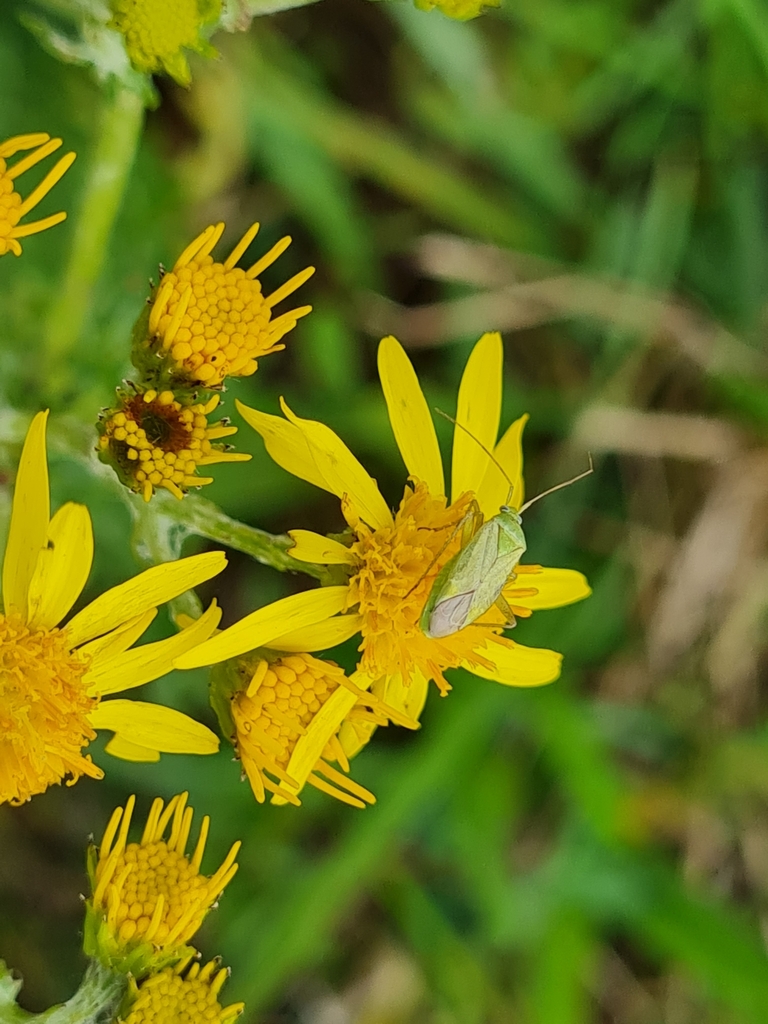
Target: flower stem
(203, 518)
(95, 1002)
(122, 117)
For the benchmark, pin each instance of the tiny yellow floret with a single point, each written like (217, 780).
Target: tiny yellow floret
(153, 892)
(185, 994)
(211, 320)
(156, 32)
(12, 206)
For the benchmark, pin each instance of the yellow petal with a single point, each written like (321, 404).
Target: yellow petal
(154, 726)
(556, 587)
(311, 745)
(119, 640)
(410, 417)
(515, 665)
(344, 476)
(28, 530)
(285, 443)
(143, 664)
(63, 567)
(319, 637)
(261, 627)
(147, 590)
(313, 547)
(120, 747)
(497, 489)
(408, 697)
(478, 412)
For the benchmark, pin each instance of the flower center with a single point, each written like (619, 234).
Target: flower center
(10, 210)
(156, 442)
(152, 871)
(214, 320)
(398, 566)
(277, 708)
(151, 890)
(172, 997)
(43, 711)
(155, 30)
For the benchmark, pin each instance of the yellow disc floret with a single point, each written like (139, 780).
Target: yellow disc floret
(152, 440)
(185, 994)
(151, 891)
(282, 700)
(12, 206)
(44, 706)
(156, 32)
(211, 320)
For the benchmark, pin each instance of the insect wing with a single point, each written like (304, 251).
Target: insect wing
(448, 616)
(470, 582)
(502, 551)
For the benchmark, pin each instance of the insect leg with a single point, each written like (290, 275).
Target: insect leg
(509, 616)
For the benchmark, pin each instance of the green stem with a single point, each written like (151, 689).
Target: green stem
(119, 133)
(95, 1002)
(205, 519)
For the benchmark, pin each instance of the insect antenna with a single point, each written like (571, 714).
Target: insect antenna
(557, 487)
(478, 442)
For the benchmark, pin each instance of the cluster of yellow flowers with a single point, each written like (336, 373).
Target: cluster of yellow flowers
(205, 322)
(294, 718)
(148, 899)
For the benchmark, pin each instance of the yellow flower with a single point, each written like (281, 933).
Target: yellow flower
(187, 994)
(274, 703)
(149, 898)
(460, 10)
(156, 31)
(391, 560)
(53, 678)
(210, 320)
(153, 440)
(12, 206)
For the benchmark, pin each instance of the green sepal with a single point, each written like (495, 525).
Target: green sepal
(135, 959)
(10, 987)
(78, 32)
(226, 680)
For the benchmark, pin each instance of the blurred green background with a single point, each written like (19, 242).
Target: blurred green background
(590, 177)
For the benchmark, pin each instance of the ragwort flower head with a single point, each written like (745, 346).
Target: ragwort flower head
(210, 320)
(157, 31)
(273, 703)
(184, 994)
(392, 560)
(12, 206)
(150, 897)
(53, 678)
(155, 440)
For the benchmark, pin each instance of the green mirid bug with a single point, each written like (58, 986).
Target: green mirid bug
(471, 582)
